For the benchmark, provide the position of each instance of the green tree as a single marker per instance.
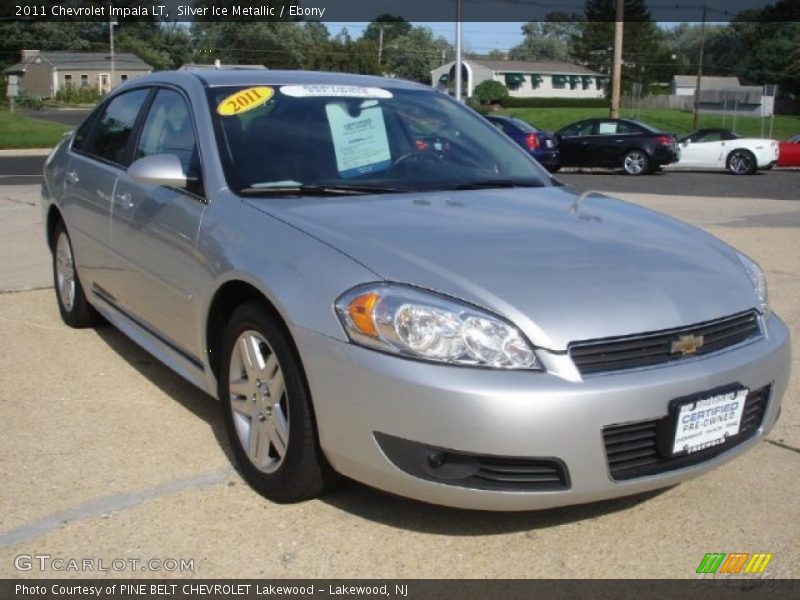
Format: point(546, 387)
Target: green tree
point(413, 56)
point(645, 53)
point(343, 54)
point(393, 27)
point(496, 54)
point(547, 40)
point(277, 45)
point(490, 91)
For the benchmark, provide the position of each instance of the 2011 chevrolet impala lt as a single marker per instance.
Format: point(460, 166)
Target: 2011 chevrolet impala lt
point(376, 282)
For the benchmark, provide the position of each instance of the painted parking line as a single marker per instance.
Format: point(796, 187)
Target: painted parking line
point(100, 506)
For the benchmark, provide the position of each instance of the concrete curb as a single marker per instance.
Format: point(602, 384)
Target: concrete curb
point(25, 152)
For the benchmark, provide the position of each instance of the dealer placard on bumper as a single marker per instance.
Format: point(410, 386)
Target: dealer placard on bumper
point(708, 422)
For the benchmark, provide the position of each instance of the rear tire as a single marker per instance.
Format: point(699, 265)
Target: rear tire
point(636, 162)
point(267, 410)
point(742, 162)
point(73, 306)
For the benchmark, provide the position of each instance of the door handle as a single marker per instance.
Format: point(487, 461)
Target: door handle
point(125, 200)
point(71, 178)
point(619, 140)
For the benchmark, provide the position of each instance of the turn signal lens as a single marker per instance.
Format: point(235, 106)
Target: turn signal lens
point(360, 311)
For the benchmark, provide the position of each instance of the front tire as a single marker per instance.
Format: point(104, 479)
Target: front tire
point(742, 162)
point(636, 162)
point(267, 410)
point(73, 306)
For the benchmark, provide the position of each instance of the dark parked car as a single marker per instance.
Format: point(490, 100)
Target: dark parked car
point(635, 147)
point(541, 145)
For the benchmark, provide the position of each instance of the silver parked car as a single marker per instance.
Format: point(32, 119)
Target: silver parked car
point(376, 282)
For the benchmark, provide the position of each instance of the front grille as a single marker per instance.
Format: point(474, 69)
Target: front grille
point(616, 354)
point(642, 448)
point(476, 471)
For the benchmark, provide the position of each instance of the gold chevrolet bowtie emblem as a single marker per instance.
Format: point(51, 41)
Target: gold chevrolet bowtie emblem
point(687, 344)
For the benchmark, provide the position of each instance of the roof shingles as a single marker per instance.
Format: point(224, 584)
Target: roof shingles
point(84, 61)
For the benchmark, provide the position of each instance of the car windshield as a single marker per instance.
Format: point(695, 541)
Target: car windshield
point(318, 139)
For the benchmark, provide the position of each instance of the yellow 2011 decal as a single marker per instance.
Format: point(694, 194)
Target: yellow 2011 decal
point(244, 100)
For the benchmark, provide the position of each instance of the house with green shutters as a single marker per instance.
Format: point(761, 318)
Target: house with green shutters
point(544, 79)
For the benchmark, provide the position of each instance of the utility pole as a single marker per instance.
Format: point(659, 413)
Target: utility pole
point(380, 44)
point(700, 71)
point(458, 50)
point(616, 70)
point(111, 43)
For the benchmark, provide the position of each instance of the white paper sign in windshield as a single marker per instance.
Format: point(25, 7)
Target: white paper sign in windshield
point(334, 91)
point(359, 142)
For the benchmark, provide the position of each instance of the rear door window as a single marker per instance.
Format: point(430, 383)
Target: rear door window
point(579, 129)
point(111, 137)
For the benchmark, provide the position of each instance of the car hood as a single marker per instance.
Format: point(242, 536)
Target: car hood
point(560, 270)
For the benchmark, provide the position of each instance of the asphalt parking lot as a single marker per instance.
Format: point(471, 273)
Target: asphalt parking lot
point(107, 454)
point(778, 184)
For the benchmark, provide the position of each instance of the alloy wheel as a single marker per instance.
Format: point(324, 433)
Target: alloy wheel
point(741, 163)
point(635, 163)
point(259, 401)
point(65, 272)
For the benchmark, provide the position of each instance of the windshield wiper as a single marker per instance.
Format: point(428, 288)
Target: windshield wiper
point(492, 183)
point(311, 189)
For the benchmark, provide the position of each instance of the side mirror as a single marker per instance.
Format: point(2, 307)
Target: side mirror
point(159, 169)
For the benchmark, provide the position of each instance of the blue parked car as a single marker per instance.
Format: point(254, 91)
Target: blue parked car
point(541, 145)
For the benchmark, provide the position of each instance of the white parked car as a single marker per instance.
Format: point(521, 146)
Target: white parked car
point(724, 149)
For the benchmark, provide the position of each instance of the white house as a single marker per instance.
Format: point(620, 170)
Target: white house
point(545, 79)
point(684, 85)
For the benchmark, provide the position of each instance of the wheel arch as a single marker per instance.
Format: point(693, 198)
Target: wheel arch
point(228, 297)
point(638, 149)
point(54, 217)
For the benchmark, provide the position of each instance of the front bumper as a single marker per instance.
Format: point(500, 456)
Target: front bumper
point(360, 393)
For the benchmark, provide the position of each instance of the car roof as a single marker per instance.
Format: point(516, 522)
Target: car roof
point(212, 77)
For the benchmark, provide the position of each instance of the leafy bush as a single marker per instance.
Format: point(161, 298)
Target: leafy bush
point(22, 100)
point(555, 102)
point(70, 94)
point(475, 105)
point(490, 91)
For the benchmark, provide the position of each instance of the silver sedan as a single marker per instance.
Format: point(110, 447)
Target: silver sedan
point(375, 282)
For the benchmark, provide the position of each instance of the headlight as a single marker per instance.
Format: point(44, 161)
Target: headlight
point(759, 282)
point(419, 324)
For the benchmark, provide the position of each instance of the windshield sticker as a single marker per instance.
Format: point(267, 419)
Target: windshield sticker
point(334, 91)
point(244, 100)
point(359, 138)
